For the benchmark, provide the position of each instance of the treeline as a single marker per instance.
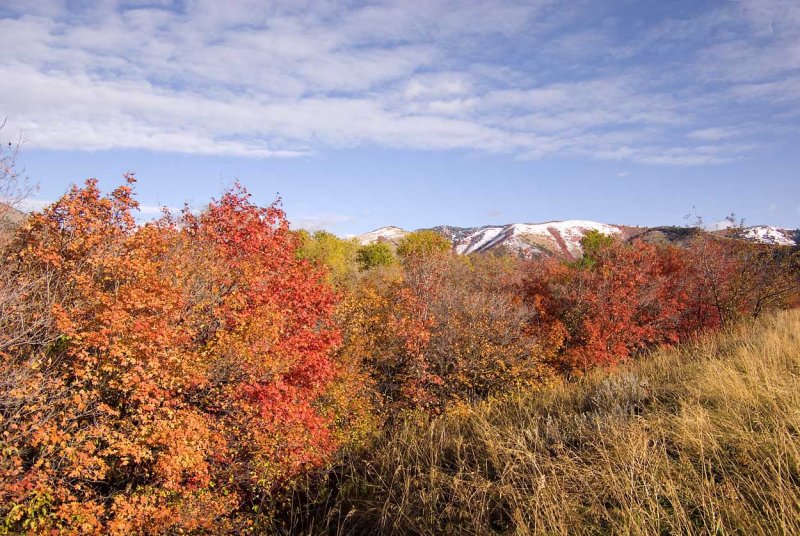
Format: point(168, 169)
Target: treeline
point(186, 374)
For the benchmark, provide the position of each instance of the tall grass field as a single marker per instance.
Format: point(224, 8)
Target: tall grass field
point(699, 439)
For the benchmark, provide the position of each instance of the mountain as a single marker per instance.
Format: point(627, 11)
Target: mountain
point(767, 234)
point(384, 234)
point(563, 238)
point(680, 236)
point(560, 238)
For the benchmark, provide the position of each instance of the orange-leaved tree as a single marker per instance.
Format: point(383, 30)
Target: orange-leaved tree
point(178, 373)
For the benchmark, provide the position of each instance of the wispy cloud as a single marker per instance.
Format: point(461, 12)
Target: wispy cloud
point(285, 79)
point(715, 133)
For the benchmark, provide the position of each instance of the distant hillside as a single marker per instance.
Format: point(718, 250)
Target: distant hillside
point(384, 234)
point(563, 238)
point(10, 217)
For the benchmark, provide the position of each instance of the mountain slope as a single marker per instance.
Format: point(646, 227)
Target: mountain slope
point(384, 234)
point(10, 217)
point(563, 238)
point(768, 234)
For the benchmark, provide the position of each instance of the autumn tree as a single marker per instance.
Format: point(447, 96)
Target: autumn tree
point(180, 373)
point(374, 255)
point(385, 331)
point(774, 278)
point(337, 255)
point(627, 298)
point(733, 278)
point(592, 245)
point(443, 329)
point(422, 243)
point(480, 339)
point(622, 298)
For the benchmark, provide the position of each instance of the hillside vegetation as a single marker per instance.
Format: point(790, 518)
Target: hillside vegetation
point(700, 439)
point(220, 373)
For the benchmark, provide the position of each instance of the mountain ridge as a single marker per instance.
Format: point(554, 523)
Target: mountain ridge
point(563, 237)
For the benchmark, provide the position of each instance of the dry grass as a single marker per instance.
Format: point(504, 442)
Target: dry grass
point(703, 439)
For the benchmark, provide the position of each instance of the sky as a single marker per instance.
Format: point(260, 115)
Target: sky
point(415, 113)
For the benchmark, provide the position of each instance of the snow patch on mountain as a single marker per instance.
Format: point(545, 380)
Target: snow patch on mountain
point(768, 234)
point(561, 237)
point(566, 234)
point(384, 234)
point(478, 240)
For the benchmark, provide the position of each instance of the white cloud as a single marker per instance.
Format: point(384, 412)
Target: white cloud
point(714, 133)
point(286, 79)
point(438, 85)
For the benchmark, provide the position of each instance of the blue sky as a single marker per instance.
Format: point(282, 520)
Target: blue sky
point(414, 113)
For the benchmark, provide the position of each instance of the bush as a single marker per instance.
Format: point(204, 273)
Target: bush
point(443, 329)
point(160, 378)
point(422, 243)
point(624, 298)
point(374, 255)
point(592, 244)
point(337, 255)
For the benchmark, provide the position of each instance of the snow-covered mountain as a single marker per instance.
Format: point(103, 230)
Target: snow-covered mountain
point(384, 234)
point(768, 234)
point(563, 238)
